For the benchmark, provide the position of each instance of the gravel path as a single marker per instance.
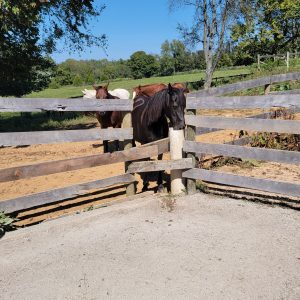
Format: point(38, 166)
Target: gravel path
point(199, 247)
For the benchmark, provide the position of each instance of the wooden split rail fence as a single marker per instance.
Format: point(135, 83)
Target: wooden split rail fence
point(214, 99)
point(62, 136)
point(210, 99)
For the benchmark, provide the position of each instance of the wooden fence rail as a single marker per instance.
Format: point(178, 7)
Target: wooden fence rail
point(56, 195)
point(63, 136)
point(278, 187)
point(72, 164)
point(280, 126)
point(52, 104)
point(160, 165)
point(244, 85)
point(244, 102)
point(288, 157)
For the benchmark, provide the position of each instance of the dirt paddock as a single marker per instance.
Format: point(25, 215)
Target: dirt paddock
point(192, 247)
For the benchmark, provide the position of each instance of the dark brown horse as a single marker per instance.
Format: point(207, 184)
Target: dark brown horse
point(150, 89)
point(108, 118)
point(149, 118)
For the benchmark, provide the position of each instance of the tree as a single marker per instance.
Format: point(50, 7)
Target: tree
point(167, 65)
point(142, 65)
point(61, 77)
point(180, 55)
point(274, 28)
point(77, 81)
point(29, 31)
point(210, 27)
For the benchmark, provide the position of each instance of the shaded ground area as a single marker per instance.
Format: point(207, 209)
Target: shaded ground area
point(193, 247)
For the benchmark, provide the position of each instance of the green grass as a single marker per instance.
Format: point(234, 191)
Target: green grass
point(14, 122)
point(75, 91)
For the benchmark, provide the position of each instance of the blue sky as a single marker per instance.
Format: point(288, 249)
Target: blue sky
point(132, 25)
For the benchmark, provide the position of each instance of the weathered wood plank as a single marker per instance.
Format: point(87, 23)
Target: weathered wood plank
point(243, 85)
point(160, 165)
point(280, 126)
point(65, 165)
point(204, 130)
point(243, 102)
point(55, 195)
point(58, 104)
point(277, 187)
point(267, 115)
point(163, 145)
point(63, 136)
point(288, 157)
point(290, 92)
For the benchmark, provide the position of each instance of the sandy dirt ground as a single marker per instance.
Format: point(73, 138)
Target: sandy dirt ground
point(192, 247)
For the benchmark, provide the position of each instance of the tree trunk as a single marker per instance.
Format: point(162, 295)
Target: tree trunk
point(208, 81)
point(209, 71)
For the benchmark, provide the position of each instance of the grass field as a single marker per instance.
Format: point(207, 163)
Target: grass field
point(74, 91)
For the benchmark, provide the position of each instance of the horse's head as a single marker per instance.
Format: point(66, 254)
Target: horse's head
point(181, 86)
point(101, 91)
point(176, 107)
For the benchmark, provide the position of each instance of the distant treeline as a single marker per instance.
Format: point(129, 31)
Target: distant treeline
point(174, 58)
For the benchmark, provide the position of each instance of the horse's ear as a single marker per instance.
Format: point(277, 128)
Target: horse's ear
point(170, 89)
point(106, 87)
point(95, 87)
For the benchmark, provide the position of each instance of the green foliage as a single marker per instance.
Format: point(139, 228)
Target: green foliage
point(142, 65)
point(225, 60)
point(166, 66)
point(29, 30)
point(6, 223)
point(90, 79)
point(77, 81)
point(61, 77)
point(274, 27)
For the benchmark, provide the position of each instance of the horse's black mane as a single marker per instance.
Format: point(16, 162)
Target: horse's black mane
point(155, 106)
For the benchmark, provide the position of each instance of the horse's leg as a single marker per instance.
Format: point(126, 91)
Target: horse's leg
point(117, 145)
point(105, 146)
point(160, 186)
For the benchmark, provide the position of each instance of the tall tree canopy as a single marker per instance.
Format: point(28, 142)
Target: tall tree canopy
point(210, 27)
point(30, 30)
point(273, 28)
point(142, 65)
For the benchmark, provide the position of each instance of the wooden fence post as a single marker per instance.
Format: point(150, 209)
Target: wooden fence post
point(287, 60)
point(176, 146)
point(258, 62)
point(131, 188)
point(190, 135)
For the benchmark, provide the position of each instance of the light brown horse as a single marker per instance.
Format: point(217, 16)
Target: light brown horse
point(108, 118)
point(150, 89)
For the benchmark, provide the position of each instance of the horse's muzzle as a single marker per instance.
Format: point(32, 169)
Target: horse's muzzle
point(179, 126)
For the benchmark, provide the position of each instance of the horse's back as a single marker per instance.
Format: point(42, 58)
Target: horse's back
point(142, 131)
point(120, 93)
